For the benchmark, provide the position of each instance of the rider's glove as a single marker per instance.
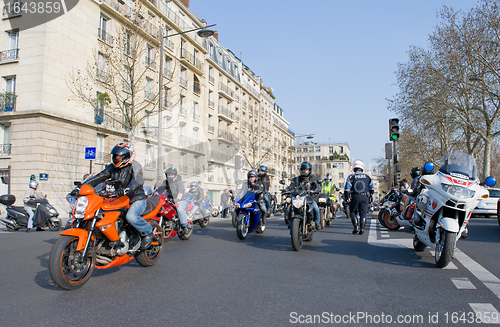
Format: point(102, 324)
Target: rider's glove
point(75, 192)
point(122, 191)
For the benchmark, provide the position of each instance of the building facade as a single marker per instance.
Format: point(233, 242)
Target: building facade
point(90, 78)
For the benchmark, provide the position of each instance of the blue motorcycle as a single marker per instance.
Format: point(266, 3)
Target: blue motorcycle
point(249, 216)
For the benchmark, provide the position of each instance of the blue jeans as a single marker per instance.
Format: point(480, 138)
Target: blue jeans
point(268, 202)
point(315, 208)
point(134, 217)
point(181, 211)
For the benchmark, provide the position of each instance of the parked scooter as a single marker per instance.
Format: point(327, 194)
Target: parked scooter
point(44, 215)
point(444, 206)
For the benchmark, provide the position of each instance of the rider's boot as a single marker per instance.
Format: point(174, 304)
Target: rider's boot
point(362, 222)
point(355, 224)
point(146, 240)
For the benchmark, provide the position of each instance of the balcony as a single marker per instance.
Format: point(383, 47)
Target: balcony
point(227, 136)
point(150, 63)
point(225, 113)
point(167, 73)
point(192, 60)
point(8, 102)
point(104, 36)
point(107, 120)
point(183, 82)
point(211, 128)
point(12, 9)
point(226, 91)
point(5, 149)
point(210, 104)
point(9, 55)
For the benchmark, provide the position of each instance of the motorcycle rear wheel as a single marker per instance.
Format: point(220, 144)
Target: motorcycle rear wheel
point(241, 228)
point(380, 217)
point(234, 219)
point(215, 212)
point(204, 222)
point(444, 248)
point(186, 236)
point(296, 233)
point(151, 255)
point(322, 214)
point(64, 267)
point(54, 225)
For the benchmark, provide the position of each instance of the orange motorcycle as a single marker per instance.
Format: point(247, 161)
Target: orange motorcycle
point(101, 237)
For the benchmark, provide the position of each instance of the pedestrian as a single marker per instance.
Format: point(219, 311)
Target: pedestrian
point(275, 202)
point(224, 202)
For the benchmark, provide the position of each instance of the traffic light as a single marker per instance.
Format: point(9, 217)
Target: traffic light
point(394, 129)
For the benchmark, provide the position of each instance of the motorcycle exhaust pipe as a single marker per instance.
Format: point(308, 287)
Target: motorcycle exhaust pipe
point(8, 221)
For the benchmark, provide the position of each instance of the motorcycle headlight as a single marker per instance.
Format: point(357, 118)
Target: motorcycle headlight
point(298, 203)
point(288, 200)
point(247, 205)
point(81, 206)
point(236, 205)
point(321, 200)
point(458, 191)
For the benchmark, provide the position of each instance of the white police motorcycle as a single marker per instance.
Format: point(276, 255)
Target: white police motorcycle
point(444, 206)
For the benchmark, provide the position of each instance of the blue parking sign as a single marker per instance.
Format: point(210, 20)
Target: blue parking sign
point(90, 153)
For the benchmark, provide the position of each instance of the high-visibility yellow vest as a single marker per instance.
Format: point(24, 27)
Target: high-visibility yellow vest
point(328, 188)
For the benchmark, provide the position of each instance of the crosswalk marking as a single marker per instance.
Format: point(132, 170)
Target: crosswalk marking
point(487, 278)
point(463, 283)
point(486, 311)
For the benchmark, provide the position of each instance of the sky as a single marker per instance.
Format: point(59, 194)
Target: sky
point(332, 63)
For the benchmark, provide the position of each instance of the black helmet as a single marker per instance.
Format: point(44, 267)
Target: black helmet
point(193, 185)
point(171, 171)
point(415, 171)
point(251, 173)
point(123, 149)
point(305, 165)
point(262, 171)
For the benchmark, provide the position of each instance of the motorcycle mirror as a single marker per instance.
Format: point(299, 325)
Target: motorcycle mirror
point(490, 181)
point(282, 182)
point(148, 190)
point(429, 167)
point(384, 191)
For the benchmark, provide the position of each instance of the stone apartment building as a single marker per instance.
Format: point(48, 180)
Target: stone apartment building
point(209, 98)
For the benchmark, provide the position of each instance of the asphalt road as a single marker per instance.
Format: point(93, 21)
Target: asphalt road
point(215, 279)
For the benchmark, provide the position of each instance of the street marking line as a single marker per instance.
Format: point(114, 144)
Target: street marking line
point(463, 283)
point(487, 311)
point(386, 243)
point(487, 278)
point(383, 235)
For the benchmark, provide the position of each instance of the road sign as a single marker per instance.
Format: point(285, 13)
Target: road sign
point(43, 177)
point(90, 153)
point(237, 175)
point(32, 177)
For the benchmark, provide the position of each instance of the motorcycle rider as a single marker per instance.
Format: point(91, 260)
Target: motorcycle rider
point(129, 172)
point(29, 205)
point(415, 175)
point(252, 184)
point(197, 195)
point(303, 179)
point(175, 187)
point(360, 187)
point(266, 182)
point(329, 188)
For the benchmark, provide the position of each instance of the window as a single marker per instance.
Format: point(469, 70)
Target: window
point(341, 165)
point(328, 165)
point(210, 99)
point(103, 31)
point(11, 45)
point(318, 149)
point(166, 101)
point(182, 105)
point(150, 57)
point(150, 160)
point(330, 149)
point(299, 149)
point(100, 153)
point(183, 77)
point(100, 108)
point(210, 123)
point(341, 149)
point(211, 75)
point(4, 139)
point(150, 94)
point(196, 115)
point(8, 98)
point(341, 185)
point(318, 157)
point(341, 175)
point(167, 70)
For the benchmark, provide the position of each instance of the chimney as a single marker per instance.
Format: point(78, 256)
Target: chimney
point(185, 3)
point(216, 36)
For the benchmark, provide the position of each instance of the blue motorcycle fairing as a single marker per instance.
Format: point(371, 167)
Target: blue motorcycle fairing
point(252, 214)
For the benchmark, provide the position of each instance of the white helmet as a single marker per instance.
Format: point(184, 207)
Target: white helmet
point(358, 164)
point(33, 184)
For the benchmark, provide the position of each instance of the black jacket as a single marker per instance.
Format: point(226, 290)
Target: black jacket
point(265, 182)
point(197, 195)
point(300, 183)
point(174, 187)
point(130, 177)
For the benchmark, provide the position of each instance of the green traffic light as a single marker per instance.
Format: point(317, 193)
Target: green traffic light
point(395, 137)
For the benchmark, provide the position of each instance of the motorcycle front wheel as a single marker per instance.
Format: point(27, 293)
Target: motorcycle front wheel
point(322, 213)
point(215, 212)
point(242, 227)
point(444, 248)
point(390, 221)
point(54, 225)
point(296, 233)
point(151, 255)
point(65, 267)
point(186, 236)
point(234, 219)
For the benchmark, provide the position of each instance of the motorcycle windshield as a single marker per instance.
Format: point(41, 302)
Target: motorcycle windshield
point(242, 196)
point(458, 164)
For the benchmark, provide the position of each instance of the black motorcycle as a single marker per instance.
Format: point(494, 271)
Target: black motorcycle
point(325, 209)
point(44, 215)
point(301, 227)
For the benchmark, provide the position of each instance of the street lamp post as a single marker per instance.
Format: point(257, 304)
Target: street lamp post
point(307, 136)
point(202, 32)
